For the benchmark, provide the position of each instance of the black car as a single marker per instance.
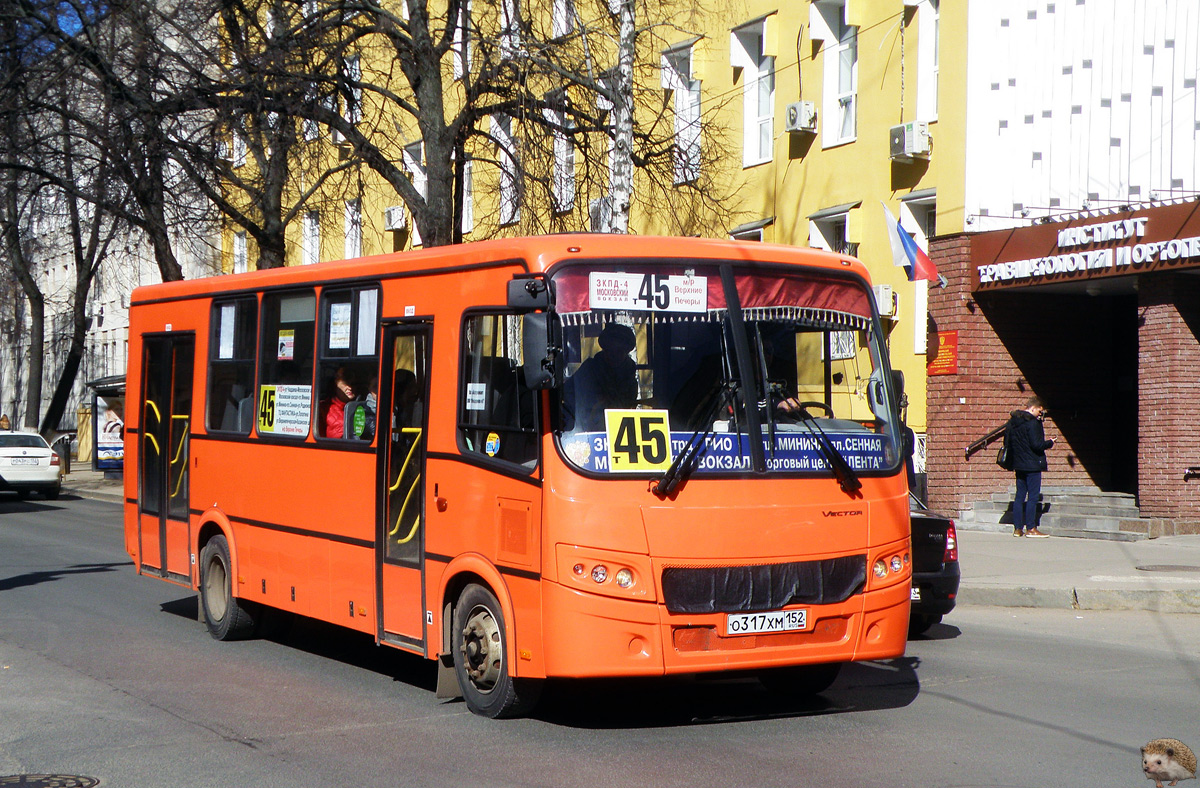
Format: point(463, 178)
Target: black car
point(935, 569)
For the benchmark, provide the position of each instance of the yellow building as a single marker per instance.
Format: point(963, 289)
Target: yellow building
point(793, 123)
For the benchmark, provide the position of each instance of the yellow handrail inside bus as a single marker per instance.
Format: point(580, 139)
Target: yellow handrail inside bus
point(416, 431)
point(179, 452)
point(150, 436)
point(416, 524)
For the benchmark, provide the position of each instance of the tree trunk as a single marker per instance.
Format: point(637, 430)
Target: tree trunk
point(621, 189)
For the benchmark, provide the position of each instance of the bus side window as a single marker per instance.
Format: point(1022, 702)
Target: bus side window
point(284, 403)
point(498, 412)
point(231, 365)
point(348, 363)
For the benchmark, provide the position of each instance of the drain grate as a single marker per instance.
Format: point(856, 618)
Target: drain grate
point(49, 781)
point(1168, 568)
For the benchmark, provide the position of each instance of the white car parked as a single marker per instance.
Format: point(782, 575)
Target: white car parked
point(28, 463)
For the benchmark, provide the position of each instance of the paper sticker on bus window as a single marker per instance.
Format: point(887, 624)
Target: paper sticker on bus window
point(638, 440)
point(476, 396)
point(287, 344)
point(227, 325)
point(368, 319)
point(648, 292)
point(493, 444)
point(339, 326)
point(284, 410)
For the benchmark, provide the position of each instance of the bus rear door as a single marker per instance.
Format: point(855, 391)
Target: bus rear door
point(163, 457)
point(402, 427)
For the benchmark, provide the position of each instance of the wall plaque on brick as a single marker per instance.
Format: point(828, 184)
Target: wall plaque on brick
point(945, 362)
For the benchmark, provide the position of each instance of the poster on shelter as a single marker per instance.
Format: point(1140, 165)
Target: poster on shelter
point(110, 432)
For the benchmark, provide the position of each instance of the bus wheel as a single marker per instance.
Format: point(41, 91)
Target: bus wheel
point(481, 661)
point(800, 680)
point(227, 617)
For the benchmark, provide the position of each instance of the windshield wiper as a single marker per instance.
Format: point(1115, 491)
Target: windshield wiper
point(846, 478)
point(685, 462)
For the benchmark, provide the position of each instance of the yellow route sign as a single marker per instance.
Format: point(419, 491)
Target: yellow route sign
point(638, 440)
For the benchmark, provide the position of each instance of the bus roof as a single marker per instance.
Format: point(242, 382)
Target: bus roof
point(538, 253)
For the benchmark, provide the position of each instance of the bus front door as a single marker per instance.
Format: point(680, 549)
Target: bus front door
point(163, 456)
point(402, 427)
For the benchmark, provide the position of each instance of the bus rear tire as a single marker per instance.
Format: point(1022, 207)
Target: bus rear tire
point(226, 616)
point(480, 650)
point(800, 680)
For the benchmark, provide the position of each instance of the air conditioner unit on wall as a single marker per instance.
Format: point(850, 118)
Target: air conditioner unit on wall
point(800, 116)
point(394, 218)
point(886, 301)
point(911, 141)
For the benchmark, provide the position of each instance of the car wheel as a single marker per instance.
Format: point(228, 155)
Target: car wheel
point(919, 624)
point(52, 493)
point(226, 616)
point(480, 650)
point(800, 680)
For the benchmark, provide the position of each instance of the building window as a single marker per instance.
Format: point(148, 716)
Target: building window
point(677, 78)
point(827, 23)
point(310, 249)
point(563, 18)
point(506, 154)
point(239, 253)
point(928, 30)
point(414, 162)
point(749, 53)
point(353, 246)
point(918, 217)
point(831, 230)
point(461, 45)
point(510, 28)
point(352, 91)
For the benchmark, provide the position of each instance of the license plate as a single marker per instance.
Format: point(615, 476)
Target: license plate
point(915, 596)
point(773, 621)
point(24, 461)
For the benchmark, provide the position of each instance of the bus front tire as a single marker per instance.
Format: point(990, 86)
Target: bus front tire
point(480, 651)
point(226, 616)
point(800, 680)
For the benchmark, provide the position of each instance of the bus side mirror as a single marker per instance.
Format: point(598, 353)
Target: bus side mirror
point(542, 350)
point(527, 292)
point(898, 384)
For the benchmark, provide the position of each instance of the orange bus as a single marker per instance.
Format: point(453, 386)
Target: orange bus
point(564, 456)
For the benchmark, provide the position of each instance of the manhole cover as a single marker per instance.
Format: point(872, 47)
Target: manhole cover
point(1169, 568)
point(49, 781)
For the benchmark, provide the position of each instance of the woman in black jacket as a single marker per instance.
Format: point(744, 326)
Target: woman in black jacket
point(1027, 445)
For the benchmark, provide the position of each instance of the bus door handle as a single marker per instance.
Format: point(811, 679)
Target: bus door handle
point(439, 501)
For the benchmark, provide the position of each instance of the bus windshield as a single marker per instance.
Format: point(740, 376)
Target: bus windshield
point(751, 369)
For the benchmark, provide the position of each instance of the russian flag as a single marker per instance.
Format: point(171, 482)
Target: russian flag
point(906, 253)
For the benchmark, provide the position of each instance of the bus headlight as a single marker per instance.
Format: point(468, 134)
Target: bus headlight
point(606, 572)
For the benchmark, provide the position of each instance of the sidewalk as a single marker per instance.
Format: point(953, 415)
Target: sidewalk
point(1086, 574)
point(86, 483)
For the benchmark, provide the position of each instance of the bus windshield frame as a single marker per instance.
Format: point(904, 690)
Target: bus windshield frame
point(754, 368)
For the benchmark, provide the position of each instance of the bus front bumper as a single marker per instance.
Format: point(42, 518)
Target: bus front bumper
point(597, 636)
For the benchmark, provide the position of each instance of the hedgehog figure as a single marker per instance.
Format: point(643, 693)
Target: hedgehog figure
point(1168, 759)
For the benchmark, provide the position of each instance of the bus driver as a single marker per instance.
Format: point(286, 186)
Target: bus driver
point(606, 380)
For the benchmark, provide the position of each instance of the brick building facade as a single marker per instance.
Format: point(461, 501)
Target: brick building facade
point(1102, 323)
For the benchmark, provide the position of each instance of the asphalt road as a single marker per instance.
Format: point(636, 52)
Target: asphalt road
point(109, 675)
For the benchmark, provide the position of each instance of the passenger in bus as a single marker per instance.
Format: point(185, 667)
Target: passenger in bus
point(606, 380)
point(406, 407)
point(332, 412)
point(370, 405)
